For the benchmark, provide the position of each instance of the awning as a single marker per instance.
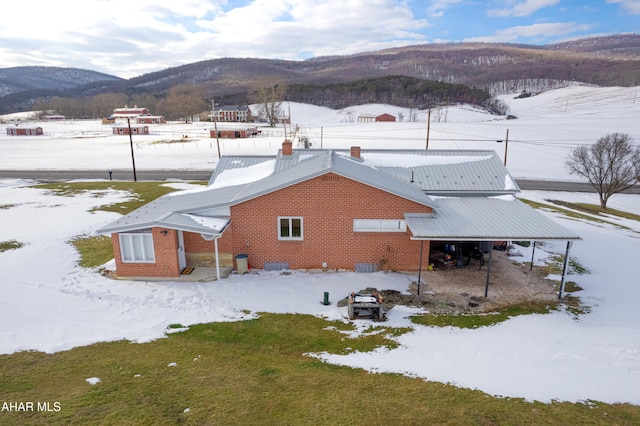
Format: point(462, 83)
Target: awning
point(485, 219)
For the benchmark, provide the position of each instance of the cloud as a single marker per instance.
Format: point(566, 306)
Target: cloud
point(130, 38)
point(630, 6)
point(437, 7)
point(522, 8)
point(531, 32)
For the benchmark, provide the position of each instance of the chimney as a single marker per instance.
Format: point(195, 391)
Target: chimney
point(287, 147)
point(355, 151)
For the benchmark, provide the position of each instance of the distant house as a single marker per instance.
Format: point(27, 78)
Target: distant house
point(231, 113)
point(150, 119)
point(135, 129)
point(19, 130)
point(54, 117)
point(235, 133)
point(370, 118)
point(332, 209)
point(127, 112)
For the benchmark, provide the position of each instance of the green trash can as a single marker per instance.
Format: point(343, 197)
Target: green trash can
point(242, 263)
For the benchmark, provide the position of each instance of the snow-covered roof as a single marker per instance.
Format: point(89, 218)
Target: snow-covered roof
point(435, 172)
point(483, 207)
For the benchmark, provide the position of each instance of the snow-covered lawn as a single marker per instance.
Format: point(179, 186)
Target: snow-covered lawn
point(49, 303)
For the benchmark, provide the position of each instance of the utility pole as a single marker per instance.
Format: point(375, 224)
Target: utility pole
point(133, 160)
point(215, 125)
point(428, 126)
point(506, 147)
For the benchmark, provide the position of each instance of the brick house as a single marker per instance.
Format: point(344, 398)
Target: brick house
point(231, 113)
point(351, 209)
point(24, 130)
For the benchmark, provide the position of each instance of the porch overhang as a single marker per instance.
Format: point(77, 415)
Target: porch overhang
point(485, 219)
point(205, 225)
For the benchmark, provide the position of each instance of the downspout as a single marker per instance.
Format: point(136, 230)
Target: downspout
point(215, 243)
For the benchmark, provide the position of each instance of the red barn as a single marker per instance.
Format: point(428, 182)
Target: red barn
point(150, 119)
point(135, 130)
point(24, 130)
point(127, 112)
point(234, 133)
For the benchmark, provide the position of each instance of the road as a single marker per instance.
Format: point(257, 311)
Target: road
point(195, 175)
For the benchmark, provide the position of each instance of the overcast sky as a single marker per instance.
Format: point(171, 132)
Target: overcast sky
point(128, 38)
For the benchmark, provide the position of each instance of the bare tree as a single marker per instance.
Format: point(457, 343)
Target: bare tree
point(269, 99)
point(611, 165)
point(183, 101)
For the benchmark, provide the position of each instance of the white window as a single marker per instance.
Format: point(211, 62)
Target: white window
point(379, 225)
point(290, 228)
point(137, 247)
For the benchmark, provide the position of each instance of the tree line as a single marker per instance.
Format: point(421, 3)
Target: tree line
point(180, 103)
point(403, 91)
point(185, 101)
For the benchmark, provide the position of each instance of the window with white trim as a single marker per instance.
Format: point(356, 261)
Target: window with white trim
point(137, 247)
point(290, 228)
point(379, 225)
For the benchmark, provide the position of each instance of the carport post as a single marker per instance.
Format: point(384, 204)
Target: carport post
point(486, 287)
point(564, 269)
point(532, 254)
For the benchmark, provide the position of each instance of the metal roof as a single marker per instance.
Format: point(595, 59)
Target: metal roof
point(485, 219)
point(329, 162)
point(161, 212)
point(474, 176)
point(437, 172)
point(445, 172)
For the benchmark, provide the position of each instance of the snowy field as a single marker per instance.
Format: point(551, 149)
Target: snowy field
point(48, 303)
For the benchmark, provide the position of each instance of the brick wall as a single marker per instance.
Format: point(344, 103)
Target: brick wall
point(328, 205)
point(166, 258)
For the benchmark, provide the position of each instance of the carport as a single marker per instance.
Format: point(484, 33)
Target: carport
point(487, 219)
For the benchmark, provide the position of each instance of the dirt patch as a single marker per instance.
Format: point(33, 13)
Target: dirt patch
point(461, 290)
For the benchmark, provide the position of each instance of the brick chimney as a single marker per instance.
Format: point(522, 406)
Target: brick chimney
point(355, 151)
point(287, 147)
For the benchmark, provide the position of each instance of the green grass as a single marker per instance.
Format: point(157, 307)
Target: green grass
point(573, 210)
point(256, 372)
point(97, 250)
point(597, 210)
point(142, 192)
point(484, 320)
point(94, 251)
point(10, 245)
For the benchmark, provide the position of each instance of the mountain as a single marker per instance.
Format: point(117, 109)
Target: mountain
point(19, 86)
point(604, 61)
point(18, 79)
point(495, 67)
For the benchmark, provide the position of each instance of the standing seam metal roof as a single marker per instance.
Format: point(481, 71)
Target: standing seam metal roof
point(486, 219)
